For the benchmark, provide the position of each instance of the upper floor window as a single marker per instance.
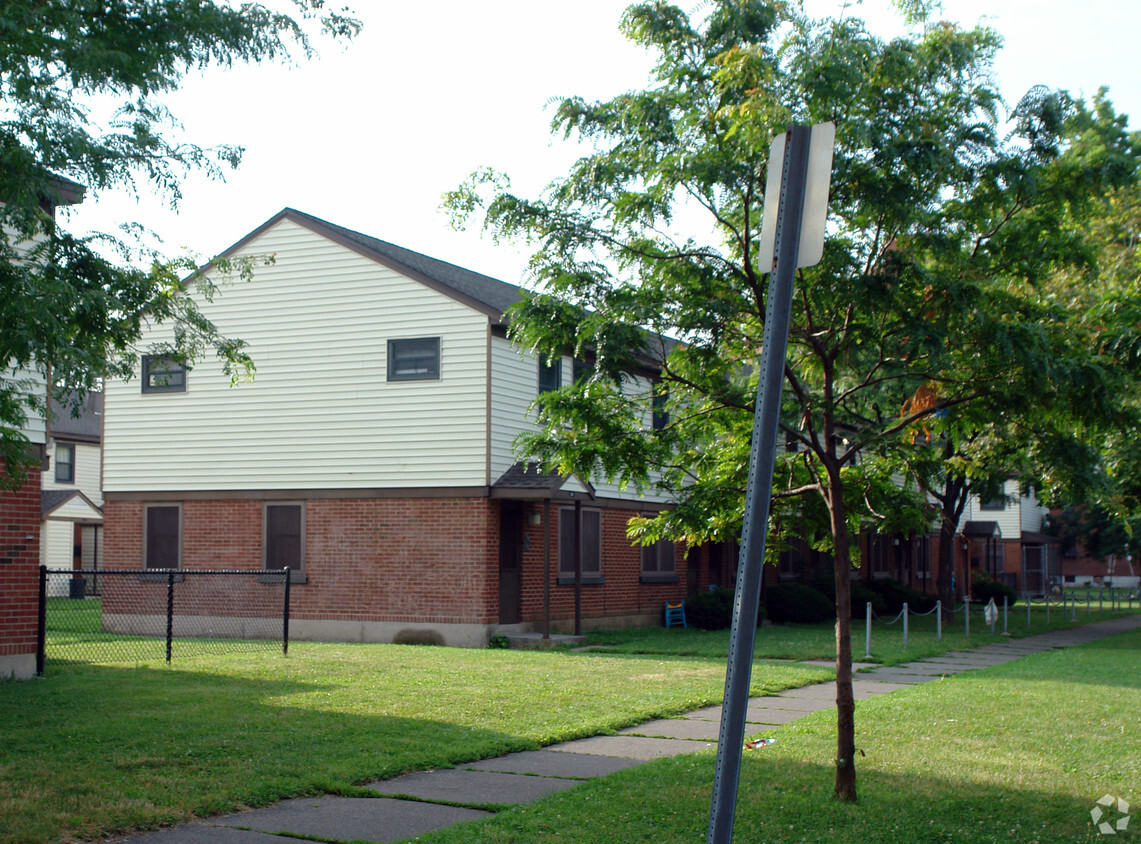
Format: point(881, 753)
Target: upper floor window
point(64, 463)
point(414, 359)
point(163, 375)
point(550, 375)
point(995, 504)
point(661, 415)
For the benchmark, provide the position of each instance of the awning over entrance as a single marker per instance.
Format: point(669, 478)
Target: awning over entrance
point(525, 481)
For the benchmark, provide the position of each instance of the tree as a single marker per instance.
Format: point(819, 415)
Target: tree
point(75, 307)
point(939, 226)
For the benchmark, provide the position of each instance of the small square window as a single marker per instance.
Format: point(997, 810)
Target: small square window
point(163, 375)
point(64, 463)
point(415, 359)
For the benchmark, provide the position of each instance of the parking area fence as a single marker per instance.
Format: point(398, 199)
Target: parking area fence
point(138, 615)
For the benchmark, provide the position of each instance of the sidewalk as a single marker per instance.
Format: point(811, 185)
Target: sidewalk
point(418, 803)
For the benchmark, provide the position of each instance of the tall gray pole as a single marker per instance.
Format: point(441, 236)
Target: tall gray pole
point(759, 494)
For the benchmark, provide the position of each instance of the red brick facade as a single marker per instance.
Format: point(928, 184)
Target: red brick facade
point(19, 576)
point(424, 561)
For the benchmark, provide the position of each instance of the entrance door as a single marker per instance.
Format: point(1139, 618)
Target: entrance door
point(510, 561)
point(1033, 569)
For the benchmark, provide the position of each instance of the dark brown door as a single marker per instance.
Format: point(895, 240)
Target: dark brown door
point(510, 561)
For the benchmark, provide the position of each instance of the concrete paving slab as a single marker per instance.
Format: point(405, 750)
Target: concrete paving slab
point(633, 747)
point(817, 691)
point(927, 668)
point(549, 763)
point(795, 704)
point(378, 819)
point(762, 716)
point(206, 833)
point(676, 728)
point(904, 679)
point(456, 785)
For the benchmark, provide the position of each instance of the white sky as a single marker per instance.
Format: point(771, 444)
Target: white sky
point(370, 136)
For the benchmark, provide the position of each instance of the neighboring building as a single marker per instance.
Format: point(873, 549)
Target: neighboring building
point(1000, 538)
point(20, 515)
point(71, 535)
point(371, 455)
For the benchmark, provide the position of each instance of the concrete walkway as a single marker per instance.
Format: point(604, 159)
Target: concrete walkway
point(418, 803)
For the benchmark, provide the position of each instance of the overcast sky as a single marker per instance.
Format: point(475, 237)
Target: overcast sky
point(370, 136)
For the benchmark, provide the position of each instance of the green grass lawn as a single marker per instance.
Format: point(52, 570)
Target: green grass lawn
point(88, 751)
point(818, 641)
point(1015, 753)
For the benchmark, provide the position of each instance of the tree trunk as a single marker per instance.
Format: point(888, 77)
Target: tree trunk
point(845, 703)
point(946, 566)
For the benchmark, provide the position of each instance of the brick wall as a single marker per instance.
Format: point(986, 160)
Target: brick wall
point(19, 570)
point(403, 560)
point(622, 595)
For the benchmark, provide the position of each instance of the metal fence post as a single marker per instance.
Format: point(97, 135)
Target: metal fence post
point(938, 621)
point(285, 616)
point(1005, 610)
point(868, 631)
point(905, 625)
point(1026, 598)
point(42, 623)
point(169, 613)
point(1047, 610)
point(967, 614)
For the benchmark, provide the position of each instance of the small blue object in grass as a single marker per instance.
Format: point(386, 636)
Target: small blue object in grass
point(757, 743)
point(675, 614)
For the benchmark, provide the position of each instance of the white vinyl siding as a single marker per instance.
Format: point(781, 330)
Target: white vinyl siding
point(320, 412)
point(1009, 519)
point(87, 459)
point(514, 385)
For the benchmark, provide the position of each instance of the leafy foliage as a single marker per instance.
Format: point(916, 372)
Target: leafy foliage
point(796, 603)
point(75, 307)
point(921, 329)
point(712, 610)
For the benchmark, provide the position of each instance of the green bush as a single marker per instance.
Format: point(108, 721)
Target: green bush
point(983, 589)
point(862, 596)
point(795, 603)
point(895, 595)
point(713, 610)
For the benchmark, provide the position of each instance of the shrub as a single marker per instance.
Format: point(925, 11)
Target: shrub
point(712, 610)
point(795, 603)
point(862, 596)
point(983, 589)
point(895, 595)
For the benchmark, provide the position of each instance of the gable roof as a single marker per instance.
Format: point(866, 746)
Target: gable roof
point(527, 480)
point(53, 500)
point(483, 293)
point(86, 427)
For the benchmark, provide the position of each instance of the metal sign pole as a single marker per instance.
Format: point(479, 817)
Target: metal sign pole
point(759, 494)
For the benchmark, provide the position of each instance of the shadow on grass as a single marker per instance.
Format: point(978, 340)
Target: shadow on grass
point(101, 749)
point(784, 800)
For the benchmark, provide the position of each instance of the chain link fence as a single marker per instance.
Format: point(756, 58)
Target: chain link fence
point(124, 616)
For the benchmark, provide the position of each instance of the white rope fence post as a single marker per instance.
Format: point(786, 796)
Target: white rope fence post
point(868, 633)
point(939, 621)
point(967, 614)
point(905, 625)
